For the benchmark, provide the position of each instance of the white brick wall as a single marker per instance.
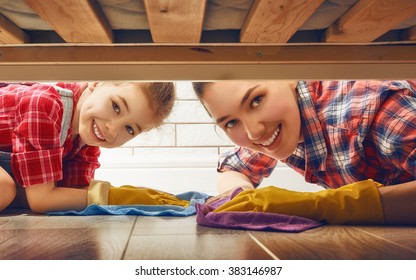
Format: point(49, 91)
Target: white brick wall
point(181, 155)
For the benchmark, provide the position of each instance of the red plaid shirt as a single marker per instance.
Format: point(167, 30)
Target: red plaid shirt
point(30, 126)
point(353, 130)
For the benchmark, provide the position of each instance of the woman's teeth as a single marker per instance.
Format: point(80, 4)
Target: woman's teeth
point(271, 139)
point(97, 132)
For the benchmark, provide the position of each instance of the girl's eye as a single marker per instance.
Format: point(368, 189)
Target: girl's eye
point(116, 108)
point(256, 101)
point(230, 124)
point(130, 130)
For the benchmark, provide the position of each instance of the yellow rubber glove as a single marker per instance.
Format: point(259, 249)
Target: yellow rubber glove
point(102, 193)
point(357, 203)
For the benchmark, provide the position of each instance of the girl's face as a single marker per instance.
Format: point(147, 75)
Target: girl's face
point(262, 116)
point(112, 114)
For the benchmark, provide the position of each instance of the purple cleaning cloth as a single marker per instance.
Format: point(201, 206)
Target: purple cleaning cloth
point(250, 220)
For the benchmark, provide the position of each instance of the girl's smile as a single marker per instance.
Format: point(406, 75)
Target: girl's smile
point(117, 115)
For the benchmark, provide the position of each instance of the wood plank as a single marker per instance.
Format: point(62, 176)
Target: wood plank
point(63, 244)
point(64, 237)
point(76, 21)
point(276, 21)
point(206, 62)
point(184, 72)
point(205, 54)
point(11, 219)
point(410, 34)
point(369, 19)
point(174, 226)
point(175, 21)
point(195, 247)
point(180, 238)
point(404, 236)
point(332, 242)
point(10, 33)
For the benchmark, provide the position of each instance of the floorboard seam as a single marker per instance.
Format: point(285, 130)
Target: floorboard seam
point(129, 238)
point(386, 240)
point(270, 253)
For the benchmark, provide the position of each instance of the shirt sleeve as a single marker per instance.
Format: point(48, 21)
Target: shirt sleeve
point(254, 165)
point(395, 130)
point(79, 170)
point(37, 155)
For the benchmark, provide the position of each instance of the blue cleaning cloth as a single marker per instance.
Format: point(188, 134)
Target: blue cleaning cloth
point(142, 210)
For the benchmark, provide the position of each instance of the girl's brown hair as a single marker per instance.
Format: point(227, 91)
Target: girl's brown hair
point(161, 97)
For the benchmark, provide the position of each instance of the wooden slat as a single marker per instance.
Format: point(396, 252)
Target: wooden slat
point(332, 243)
point(166, 62)
point(410, 34)
point(205, 54)
point(180, 238)
point(76, 21)
point(64, 237)
point(175, 21)
point(10, 33)
point(369, 19)
point(276, 21)
point(403, 236)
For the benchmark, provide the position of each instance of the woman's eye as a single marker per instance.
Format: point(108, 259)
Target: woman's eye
point(256, 101)
point(230, 124)
point(130, 130)
point(116, 108)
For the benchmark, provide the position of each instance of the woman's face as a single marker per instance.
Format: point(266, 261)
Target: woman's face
point(112, 114)
point(262, 116)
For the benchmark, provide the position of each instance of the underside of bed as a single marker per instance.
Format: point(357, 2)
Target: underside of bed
point(207, 39)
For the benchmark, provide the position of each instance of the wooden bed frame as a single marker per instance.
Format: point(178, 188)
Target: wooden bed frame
point(361, 44)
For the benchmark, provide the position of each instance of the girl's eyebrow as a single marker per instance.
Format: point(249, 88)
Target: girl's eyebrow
point(127, 109)
point(243, 101)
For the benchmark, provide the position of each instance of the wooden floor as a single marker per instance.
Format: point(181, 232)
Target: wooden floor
point(29, 236)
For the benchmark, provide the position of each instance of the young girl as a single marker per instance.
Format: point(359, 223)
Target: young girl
point(334, 133)
point(50, 135)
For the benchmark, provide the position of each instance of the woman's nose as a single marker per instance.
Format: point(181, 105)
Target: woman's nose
point(255, 130)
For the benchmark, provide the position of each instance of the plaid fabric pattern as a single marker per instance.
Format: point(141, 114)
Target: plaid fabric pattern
point(30, 124)
point(353, 130)
point(254, 165)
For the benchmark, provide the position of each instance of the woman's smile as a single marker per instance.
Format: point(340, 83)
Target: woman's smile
point(266, 143)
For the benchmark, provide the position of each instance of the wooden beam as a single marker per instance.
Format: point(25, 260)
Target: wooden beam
point(210, 62)
point(410, 34)
point(175, 21)
point(76, 21)
point(10, 33)
point(276, 21)
point(369, 19)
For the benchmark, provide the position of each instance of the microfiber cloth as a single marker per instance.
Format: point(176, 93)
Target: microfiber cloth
point(142, 210)
point(250, 220)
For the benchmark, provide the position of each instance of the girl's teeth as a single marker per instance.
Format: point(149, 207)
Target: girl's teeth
point(97, 132)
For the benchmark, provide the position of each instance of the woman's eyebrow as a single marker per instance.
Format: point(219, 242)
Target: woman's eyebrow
point(243, 101)
point(220, 120)
point(247, 94)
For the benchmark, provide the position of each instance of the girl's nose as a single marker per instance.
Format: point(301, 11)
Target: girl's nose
point(112, 128)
